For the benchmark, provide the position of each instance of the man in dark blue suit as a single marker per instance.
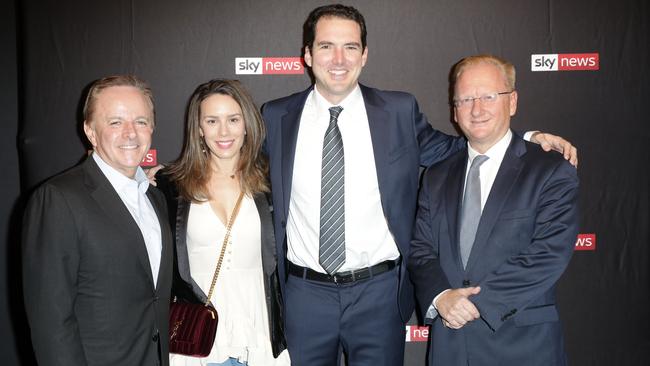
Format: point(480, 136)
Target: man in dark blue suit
point(344, 166)
point(495, 228)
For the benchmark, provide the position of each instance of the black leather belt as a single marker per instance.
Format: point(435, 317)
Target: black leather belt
point(342, 277)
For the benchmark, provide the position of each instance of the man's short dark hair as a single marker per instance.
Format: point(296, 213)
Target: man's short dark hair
point(335, 11)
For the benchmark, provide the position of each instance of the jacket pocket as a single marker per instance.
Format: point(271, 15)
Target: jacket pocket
point(537, 315)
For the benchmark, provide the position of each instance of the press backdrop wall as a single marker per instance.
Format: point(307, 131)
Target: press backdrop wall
point(58, 47)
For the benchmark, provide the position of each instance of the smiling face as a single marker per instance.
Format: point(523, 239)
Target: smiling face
point(336, 57)
point(483, 123)
point(222, 126)
point(120, 127)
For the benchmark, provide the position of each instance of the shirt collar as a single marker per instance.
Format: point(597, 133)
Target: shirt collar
point(347, 103)
point(119, 180)
point(496, 152)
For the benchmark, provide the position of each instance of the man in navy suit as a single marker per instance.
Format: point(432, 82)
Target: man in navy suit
point(495, 229)
point(352, 293)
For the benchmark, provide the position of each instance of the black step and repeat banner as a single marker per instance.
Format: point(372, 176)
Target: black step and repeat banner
point(582, 73)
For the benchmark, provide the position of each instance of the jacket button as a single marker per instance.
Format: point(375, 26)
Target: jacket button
point(508, 315)
point(154, 338)
point(284, 224)
point(465, 283)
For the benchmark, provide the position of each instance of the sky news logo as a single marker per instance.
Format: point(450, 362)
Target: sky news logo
point(565, 62)
point(150, 159)
point(269, 66)
point(586, 242)
point(415, 333)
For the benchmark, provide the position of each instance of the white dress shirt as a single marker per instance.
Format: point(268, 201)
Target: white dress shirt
point(489, 169)
point(488, 173)
point(132, 192)
point(368, 240)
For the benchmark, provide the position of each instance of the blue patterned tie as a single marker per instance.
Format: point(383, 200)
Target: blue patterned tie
point(331, 251)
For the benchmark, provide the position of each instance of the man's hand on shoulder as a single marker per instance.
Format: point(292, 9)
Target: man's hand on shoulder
point(151, 173)
point(557, 143)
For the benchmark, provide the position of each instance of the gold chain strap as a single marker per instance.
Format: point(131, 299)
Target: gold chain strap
point(231, 221)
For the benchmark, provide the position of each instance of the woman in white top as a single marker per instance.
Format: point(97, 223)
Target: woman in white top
point(221, 158)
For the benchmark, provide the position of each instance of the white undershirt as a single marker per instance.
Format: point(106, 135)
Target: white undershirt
point(132, 192)
point(368, 240)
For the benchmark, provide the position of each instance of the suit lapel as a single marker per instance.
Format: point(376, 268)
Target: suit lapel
point(505, 180)
point(380, 135)
point(269, 256)
point(165, 236)
point(110, 202)
point(453, 201)
point(182, 260)
point(290, 126)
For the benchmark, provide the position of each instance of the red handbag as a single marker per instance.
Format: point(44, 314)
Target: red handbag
point(192, 327)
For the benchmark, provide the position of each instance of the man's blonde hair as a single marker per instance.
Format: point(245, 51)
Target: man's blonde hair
point(507, 69)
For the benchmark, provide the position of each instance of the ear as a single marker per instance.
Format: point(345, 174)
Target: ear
point(307, 56)
point(90, 133)
point(513, 103)
point(364, 56)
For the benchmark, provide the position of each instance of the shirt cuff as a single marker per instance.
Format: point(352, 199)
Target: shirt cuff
point(528, 135)
point(432, 312)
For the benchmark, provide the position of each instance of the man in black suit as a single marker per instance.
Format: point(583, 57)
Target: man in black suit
point(97, 248)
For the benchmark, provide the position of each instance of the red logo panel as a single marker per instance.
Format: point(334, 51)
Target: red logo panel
point(282, 65)
point(150, 159)
point(415, 333)
point(586, 242)
point(578, 61)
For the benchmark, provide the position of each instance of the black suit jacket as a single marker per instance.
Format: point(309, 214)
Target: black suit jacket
point(89, 291)
point(524, 241)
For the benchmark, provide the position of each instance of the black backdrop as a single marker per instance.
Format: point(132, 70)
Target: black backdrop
point(53, 49)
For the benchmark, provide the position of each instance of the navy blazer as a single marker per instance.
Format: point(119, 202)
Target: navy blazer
point(524, 242)
point(402, 140)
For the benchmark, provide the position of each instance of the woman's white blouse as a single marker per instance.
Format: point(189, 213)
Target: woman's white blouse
point(243, 331)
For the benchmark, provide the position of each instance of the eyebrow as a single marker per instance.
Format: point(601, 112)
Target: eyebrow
point(122, 118)
point(229, 116)
point(357, 44)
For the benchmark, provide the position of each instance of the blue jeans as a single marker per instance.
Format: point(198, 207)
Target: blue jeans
point(229, 362)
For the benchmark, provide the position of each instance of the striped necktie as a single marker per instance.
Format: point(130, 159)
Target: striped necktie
point(331, 251)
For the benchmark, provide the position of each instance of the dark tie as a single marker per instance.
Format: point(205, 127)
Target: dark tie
point(471, 210)
point(331, 251)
